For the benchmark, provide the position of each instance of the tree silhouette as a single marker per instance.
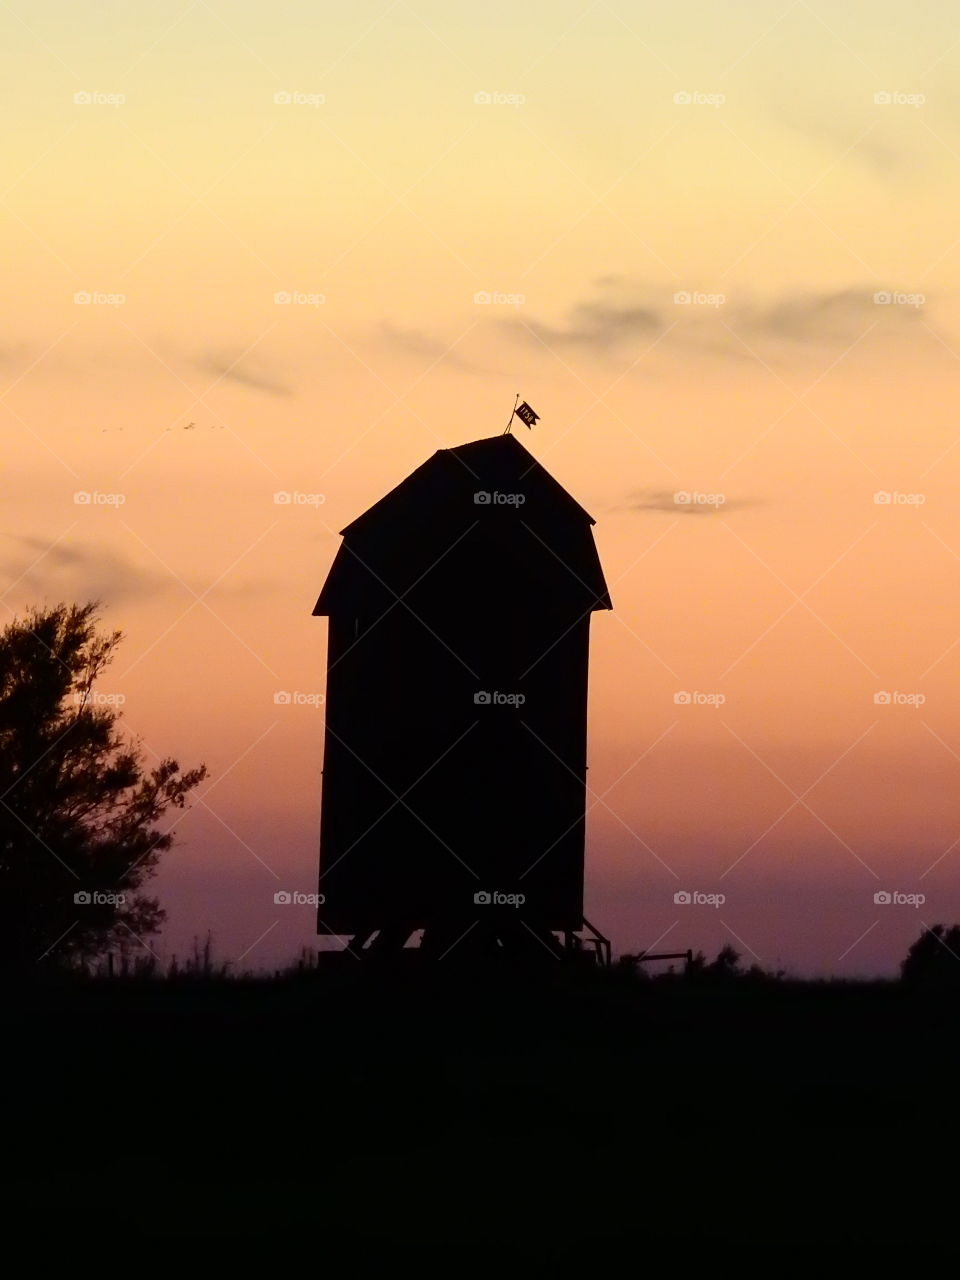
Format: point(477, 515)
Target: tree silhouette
point(934, 959)
point(78, 810)
point(727, 964)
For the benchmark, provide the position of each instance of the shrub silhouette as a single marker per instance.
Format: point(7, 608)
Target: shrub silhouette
point(78, 810)
point(726, 965)
point(934, 959)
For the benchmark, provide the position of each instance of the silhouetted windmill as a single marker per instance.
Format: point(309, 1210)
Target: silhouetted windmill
point(454, 777)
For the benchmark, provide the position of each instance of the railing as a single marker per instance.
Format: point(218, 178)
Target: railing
point(643, 957)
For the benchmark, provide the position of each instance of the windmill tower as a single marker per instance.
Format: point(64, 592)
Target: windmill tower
point(454, 780)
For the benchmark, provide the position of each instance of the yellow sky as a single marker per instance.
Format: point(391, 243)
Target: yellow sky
point(714, 246)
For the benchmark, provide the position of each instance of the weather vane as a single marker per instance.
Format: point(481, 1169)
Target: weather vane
point(524, 413)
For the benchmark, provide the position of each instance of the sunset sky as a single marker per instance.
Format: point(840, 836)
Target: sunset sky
point(296, 247)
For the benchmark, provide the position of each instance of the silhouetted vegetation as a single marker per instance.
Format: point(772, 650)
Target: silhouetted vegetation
point(934, 959)
point(725, 967)
point(78, 807)
point(369, 1098)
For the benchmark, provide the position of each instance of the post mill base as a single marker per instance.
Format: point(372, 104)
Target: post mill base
point(509, 934)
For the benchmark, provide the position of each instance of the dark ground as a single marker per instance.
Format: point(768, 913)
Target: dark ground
point(551, 1114)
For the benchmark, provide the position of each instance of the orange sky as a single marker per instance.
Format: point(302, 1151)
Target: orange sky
point(719, 248)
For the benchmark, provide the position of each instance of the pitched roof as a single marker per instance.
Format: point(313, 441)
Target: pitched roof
point(494, 464)
point(453, 496)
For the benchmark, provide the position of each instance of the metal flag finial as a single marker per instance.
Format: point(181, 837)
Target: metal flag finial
point(524, 412)
point(506, 430)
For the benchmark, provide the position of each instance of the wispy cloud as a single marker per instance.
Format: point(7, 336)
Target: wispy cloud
point(685, 502)
point(245, 371)
point(626, 312)
point(78, 570)
point(604, 324)
point(846, 139)
point(431, 349)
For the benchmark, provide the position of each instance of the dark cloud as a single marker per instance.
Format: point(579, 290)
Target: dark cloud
point(627, 311)
point(625, 316)
point(78, 571)
point(819, 317)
